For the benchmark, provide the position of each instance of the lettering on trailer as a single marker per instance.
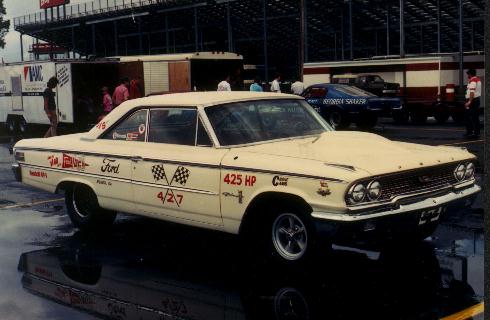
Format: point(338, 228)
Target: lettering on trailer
point(239, 179)
point(63, 76)
point(33, 73)
point(181, 176)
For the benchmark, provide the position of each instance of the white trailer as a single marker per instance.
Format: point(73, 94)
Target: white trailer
point(22, 86)
point(78, 95)
point(426, 82)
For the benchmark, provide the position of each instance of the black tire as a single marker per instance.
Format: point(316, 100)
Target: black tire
point(400, 117)
point(23, 126)
point(458, 117)
point(441, 117)
point(83, 208)
point(11, 125)
point(297, 243)
point(418, 117)
point(367, 121)
point(337, 118)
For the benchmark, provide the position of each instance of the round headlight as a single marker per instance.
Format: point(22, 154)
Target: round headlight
point(460, 172)
point(470, 170)
point(357, 193)
point(374, 190)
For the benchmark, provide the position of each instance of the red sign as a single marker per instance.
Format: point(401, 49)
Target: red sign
point(52, 3)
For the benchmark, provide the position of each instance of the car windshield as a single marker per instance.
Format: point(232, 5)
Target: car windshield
point(263, 120)
point(353, 91)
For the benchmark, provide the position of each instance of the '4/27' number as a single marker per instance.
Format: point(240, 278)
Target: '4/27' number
point(171, 197)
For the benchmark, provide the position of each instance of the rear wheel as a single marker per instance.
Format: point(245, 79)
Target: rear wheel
point(418, 117)
point(83, 208)
point(11, 125)
point(400, 117)
point(441, 117)
point(22, 126)
point(337, 118)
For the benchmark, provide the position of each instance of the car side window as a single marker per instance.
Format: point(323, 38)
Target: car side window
point(203, 139)
point(316, 93)
point(173, 125)
point(133, 128)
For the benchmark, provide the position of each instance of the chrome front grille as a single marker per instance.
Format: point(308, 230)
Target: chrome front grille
point(418, 180)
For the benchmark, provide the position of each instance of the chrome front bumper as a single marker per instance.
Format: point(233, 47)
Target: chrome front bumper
point(450, 198)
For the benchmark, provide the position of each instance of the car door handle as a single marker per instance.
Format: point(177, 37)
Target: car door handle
point(136, 159)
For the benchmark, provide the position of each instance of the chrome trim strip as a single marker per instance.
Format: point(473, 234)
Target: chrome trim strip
point(341, 166)
point(153, 185)
point(201, 165)
point(424, 204)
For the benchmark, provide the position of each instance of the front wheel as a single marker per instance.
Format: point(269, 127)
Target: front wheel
point(367, 121)
point(83, 208)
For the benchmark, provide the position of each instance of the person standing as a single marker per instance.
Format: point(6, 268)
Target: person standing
point(256, 85)
point(224, 85)
point(121, 93)
point(106, 100)
point(50, 107)
point(297, 87)
point(276, 84)
point(472, 105)
point(135, 91)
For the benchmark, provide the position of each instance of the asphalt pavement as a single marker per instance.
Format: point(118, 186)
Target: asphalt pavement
point(147, 269)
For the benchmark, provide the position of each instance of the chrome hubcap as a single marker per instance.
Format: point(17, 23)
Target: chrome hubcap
point(82, 202)
point(289, 236)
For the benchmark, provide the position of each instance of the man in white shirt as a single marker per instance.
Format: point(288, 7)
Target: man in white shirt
point(472, 105)
point(297, 87)
point(224, 85)
point(276, 84)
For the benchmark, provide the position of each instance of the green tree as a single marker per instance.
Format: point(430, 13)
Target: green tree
point(4, 24)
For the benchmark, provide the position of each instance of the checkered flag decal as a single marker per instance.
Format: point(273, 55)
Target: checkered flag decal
point(181, 175)
point(158, 172)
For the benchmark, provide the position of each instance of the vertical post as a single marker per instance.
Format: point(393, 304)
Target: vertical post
point(58, 13)
point(196, 36)
point(388, 31)
point(140, 37)
point(64, 11)
point(116, 38)
point(167, 36)
point(438, 26)
point(229, 28)
point(302, 27)
point(94, 48)
point(264, 27)
point(305, 10)
point(461, 46)
point(472, 35)
point(375, 42)
point(351, 32)
point(342, 32)
point(21, 47)
point(46, 15)
point(402, 28)
point(335, 45)
point(421, 39)
point(73, 43)
point(52, 14)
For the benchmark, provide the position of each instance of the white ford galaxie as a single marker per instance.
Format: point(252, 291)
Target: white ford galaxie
point(259, 164)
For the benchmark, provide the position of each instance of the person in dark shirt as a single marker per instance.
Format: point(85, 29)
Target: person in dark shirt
point(50, 106)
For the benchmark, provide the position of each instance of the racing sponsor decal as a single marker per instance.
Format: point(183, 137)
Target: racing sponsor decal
point(33, 73)
point(239, 179)
point(337, 101)
point(102, 125)
point(323, 190)
point(118, 136)
point(110, 166)
point(38, 174)
point(132, 136)
point(280, 181)
point(68, 162)
point(181, 176)
point(43, 272)
point(142, 128)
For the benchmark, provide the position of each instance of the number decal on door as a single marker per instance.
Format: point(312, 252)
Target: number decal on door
point(171, 197)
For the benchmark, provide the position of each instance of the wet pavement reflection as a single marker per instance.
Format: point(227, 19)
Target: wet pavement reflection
point(142, 269)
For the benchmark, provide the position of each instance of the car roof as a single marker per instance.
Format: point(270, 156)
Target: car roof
point(327, 85)
point(192, 99)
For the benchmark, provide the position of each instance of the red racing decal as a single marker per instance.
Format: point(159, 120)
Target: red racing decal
point(39, 174)
point(73, 162)
point(238, 179)
point(101, 125)
point(171, 197)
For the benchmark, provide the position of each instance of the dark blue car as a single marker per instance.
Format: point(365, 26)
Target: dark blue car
point(341, 104)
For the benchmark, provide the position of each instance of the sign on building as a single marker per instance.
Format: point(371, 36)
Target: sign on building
point(52, 3)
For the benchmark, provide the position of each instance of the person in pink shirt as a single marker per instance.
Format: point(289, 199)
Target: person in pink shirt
point(106, 100)
point(121, 93)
